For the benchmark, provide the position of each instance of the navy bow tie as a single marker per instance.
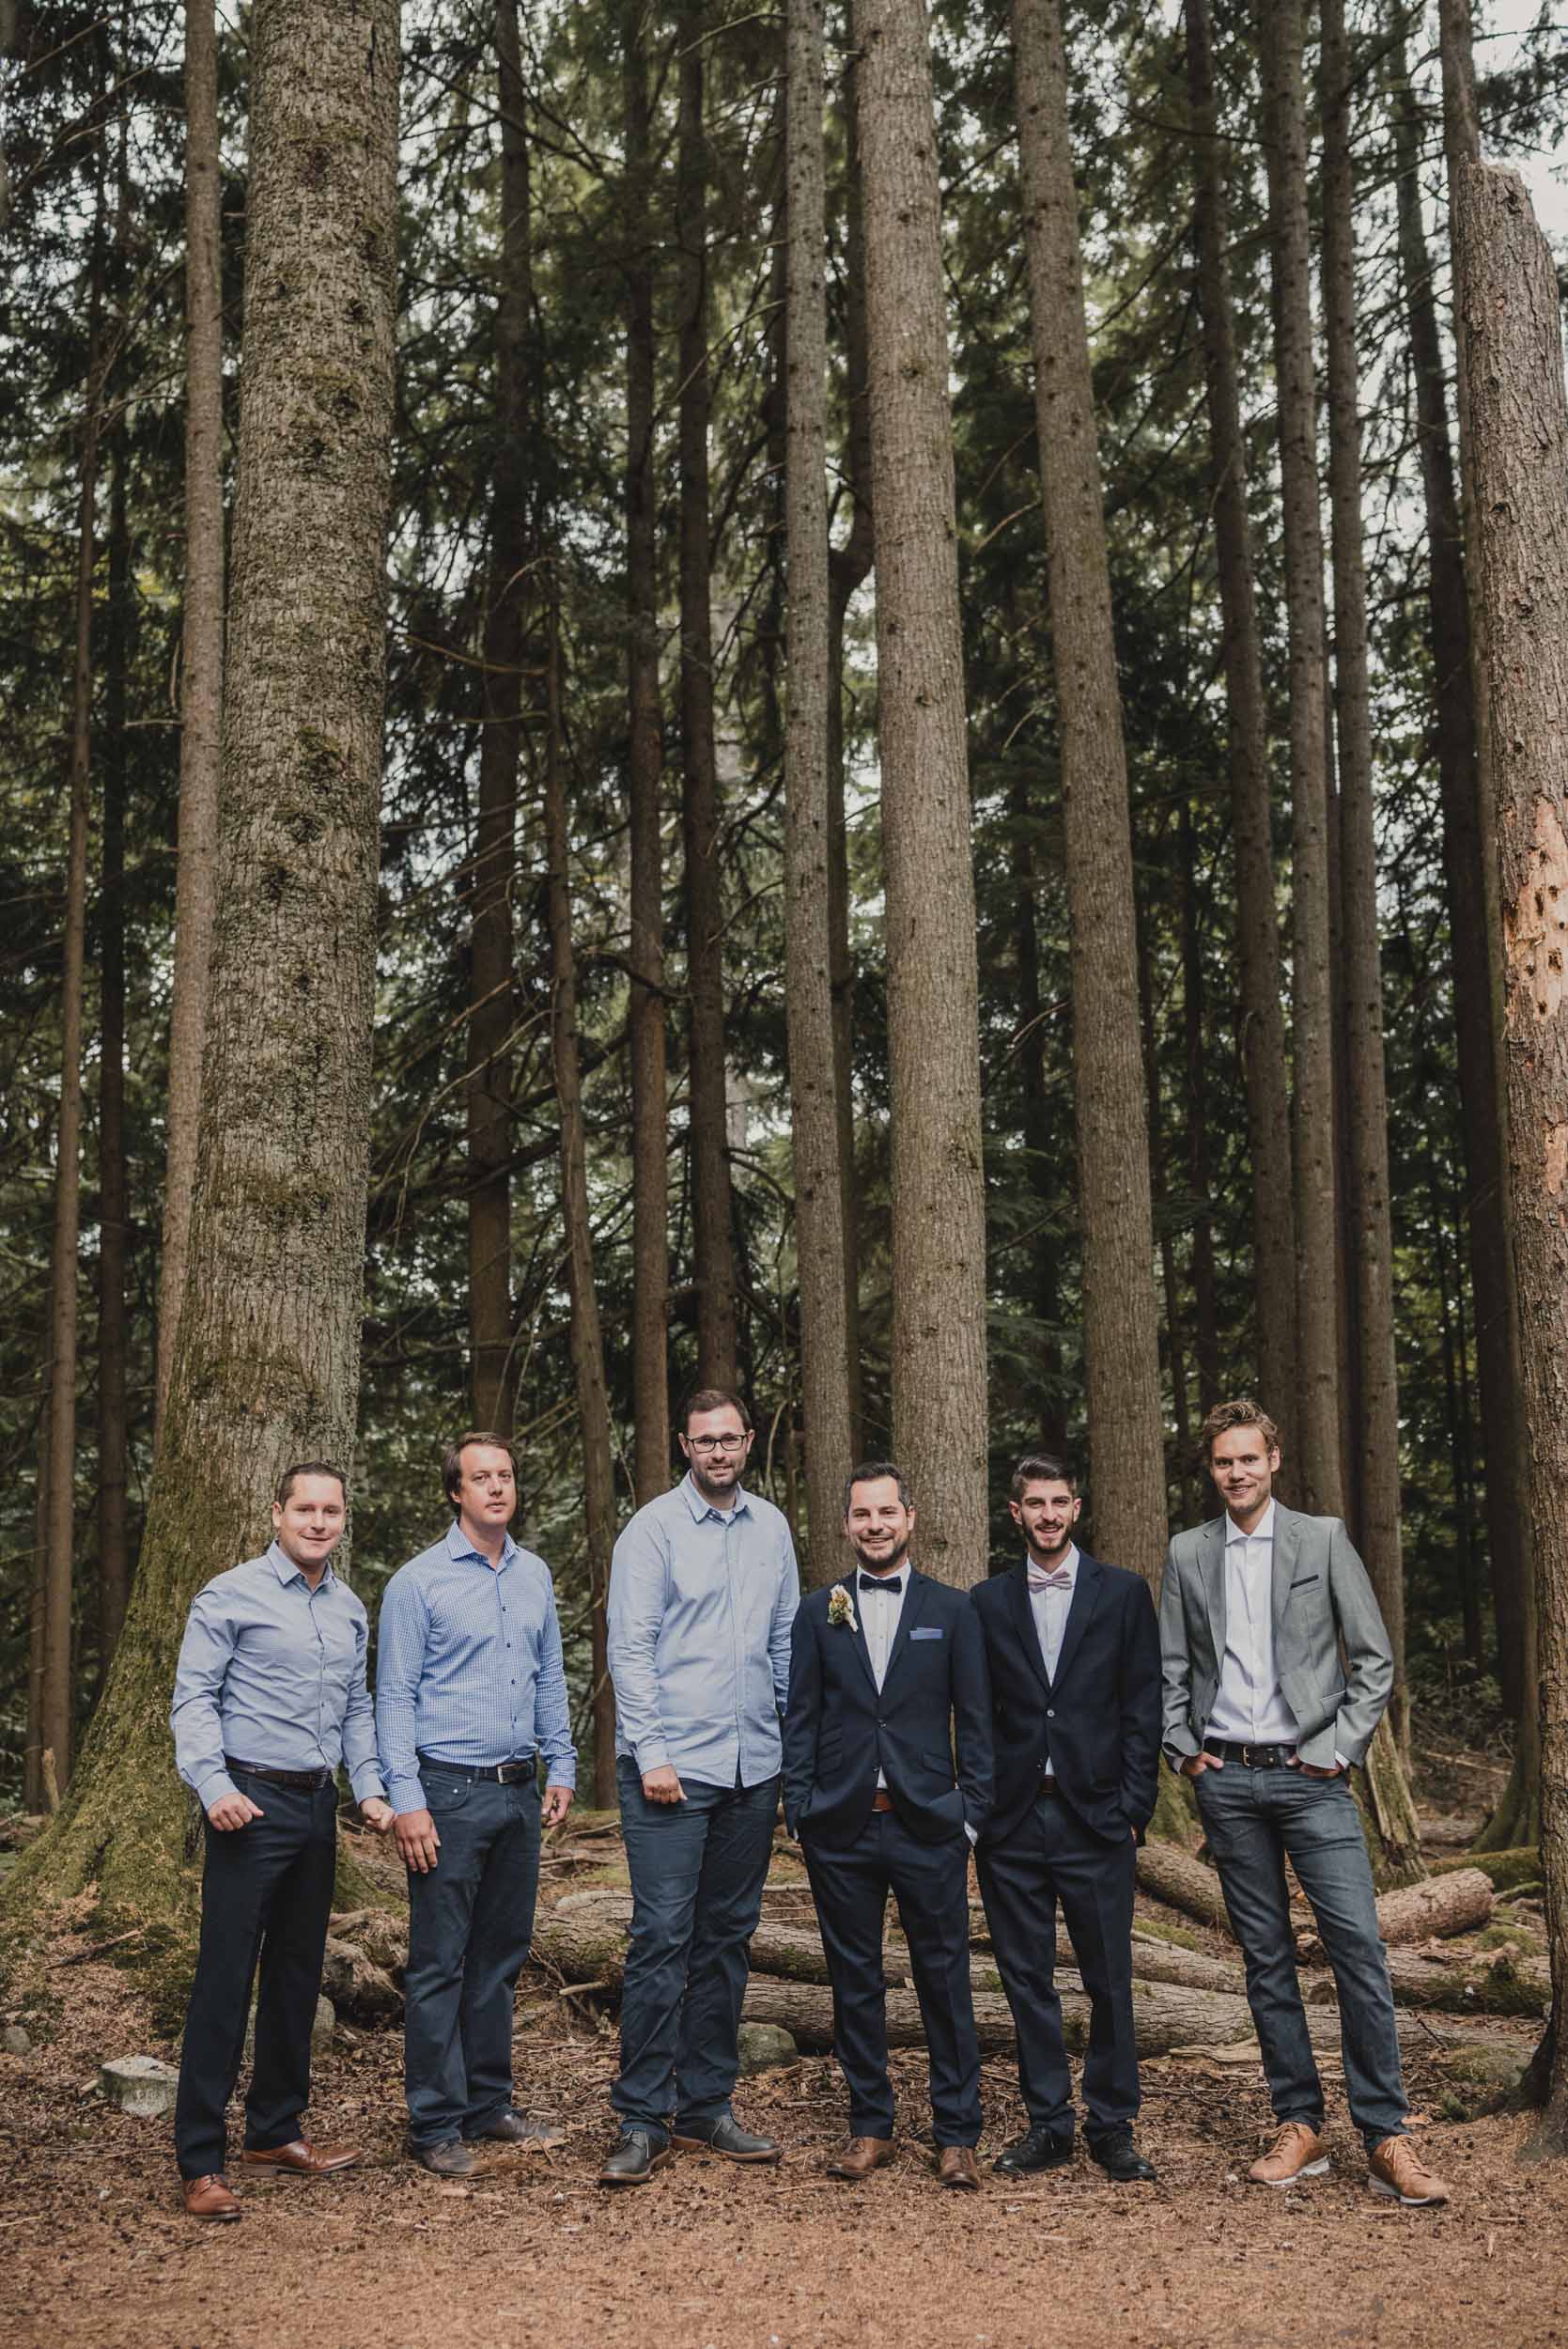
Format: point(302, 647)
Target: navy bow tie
point(871, 1582)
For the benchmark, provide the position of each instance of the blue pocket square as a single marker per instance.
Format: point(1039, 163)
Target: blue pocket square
point(926, 1631)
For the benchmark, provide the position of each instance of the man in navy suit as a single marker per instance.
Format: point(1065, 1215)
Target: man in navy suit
point(884, 1671)
point(1073, 1650)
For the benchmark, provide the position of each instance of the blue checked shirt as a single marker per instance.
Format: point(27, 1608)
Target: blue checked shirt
point(272, 1671)
point(699, 1614)
point(468, 1665)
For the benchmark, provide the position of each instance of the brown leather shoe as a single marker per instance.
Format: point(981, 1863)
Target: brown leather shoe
point(303, 2159)
point(1398, 2169)
point(861, 2157)
point(957, 2165)
point(209, 2198)
point(1298, 2151)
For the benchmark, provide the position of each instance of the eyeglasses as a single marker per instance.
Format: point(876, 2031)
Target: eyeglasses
point(716, 1443)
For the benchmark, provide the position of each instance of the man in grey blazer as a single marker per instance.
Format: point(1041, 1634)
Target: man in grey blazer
point(1263, 1715)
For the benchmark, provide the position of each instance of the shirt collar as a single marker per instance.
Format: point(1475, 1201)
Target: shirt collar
point(287, 1571)
point(1068, 1566)
point(701, 1508)
point(1262, 1532)
point(460, 1549)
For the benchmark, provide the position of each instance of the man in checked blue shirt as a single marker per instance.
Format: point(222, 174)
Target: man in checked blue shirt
point(269, 1697)
point(703, 1590)
point(470, 1696)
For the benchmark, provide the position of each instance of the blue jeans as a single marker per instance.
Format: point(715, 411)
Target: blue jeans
point(470, 1923)
point(1254, 1821)
point(697, 1872)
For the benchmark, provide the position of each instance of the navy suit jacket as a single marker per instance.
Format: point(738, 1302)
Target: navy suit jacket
point(1098, 1719)
point(838, 1731)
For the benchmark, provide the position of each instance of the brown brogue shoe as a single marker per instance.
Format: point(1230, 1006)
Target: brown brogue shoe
point(861, 2157)
point(956, 2165)
point(1298, 2151)
point(209, 2198)
point(302, 2159)
point(1398, 2170)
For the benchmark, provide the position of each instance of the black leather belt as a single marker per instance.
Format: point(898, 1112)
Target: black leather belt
point(1250, 1757)
point(307, 1781)
point(494, 1773)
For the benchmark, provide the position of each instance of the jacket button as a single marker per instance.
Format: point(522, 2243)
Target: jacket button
point(1050, 1712)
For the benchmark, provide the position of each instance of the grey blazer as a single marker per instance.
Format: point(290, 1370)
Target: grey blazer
point(1321, 1594)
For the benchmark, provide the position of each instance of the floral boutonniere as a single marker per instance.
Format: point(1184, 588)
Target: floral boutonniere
point(841, 1607)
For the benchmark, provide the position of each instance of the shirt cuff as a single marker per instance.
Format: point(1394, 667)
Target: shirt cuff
point(1340, 1760)
point(405, 1793)
point(973, 1834)
point(213, 1788)
point(367, 1784)
point(651, 1754)
point(561, 1771)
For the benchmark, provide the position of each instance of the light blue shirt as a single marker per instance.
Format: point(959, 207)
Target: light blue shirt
point(701, 1602)
point(468, 1667)
point(272, 1671)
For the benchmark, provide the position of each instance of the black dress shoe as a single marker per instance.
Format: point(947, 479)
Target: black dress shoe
point(526, 2129)
point(454, 2159)
point(724, 2136)
point(635, 2156)
point(1037, 2149)
point(1120, 2158)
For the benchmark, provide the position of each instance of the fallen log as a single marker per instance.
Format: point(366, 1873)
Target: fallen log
point(1497, 1983)
point(357, 1986)
point(1172, 1875)
point(1505, 1871)
point(1458, 1901)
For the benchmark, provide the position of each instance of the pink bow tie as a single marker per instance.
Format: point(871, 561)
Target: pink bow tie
point(1059, 1580)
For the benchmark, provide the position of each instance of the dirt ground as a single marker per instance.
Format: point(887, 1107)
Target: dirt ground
point(96, 2253)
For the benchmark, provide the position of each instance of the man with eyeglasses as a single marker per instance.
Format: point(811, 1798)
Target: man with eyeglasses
point(703, 1590)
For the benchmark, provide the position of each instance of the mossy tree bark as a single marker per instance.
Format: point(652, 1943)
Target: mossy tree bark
point(939, 1214)
point(266, 1363)
point(1121, 1338)
point(646, 1016)
point(1510, 334)
point(201, 669)
point(808, 949)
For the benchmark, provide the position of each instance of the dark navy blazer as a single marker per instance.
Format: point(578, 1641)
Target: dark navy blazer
point(838, 1731)
point(1098, 1719)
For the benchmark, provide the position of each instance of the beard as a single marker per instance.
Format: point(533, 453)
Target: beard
point(882, 1566)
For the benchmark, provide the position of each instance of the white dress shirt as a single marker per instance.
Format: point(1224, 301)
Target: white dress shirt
point(879, 1620)
point(1050, 1610)
point(1249, 1707)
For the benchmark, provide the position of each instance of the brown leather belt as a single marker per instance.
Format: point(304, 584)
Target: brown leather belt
point(881, 1800)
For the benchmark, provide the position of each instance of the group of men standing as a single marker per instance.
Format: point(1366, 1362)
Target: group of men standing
point(902, 1722)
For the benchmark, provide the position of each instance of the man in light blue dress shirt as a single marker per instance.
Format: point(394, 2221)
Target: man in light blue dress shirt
point(703, 1590)
point(471, 1697)
point(269, 1697)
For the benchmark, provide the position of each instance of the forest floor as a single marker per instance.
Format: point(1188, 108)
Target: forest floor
point(95, 2252)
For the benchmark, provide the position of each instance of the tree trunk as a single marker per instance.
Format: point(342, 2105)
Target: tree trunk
point(1205, 1315)
point(114, 1560)
point(1041, 1135)
point(490, 874)
point(1471, 935)
point(1317, 1445)
point(588, 1343)
point(201, 670)
point(56, 1717)
point(1510, 333)
point(1376, 1431)
point(1121, 1338)
point(266, 1368)
point(808, 943)
point(646, 1018)
point(938, 1213)
point(717, 1344)
point(1174, 1352)
point(1261, 1023)
point(848, 567)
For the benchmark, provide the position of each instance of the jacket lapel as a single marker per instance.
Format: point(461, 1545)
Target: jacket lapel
point(908, 1615)
point(855, 1635)
point(1086, 1591)
point(1212, 1563)
point(1023, 1619)
point(1287, 1541)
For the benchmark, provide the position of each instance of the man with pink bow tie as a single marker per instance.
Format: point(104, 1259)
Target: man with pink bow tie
point(1073, 1650)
